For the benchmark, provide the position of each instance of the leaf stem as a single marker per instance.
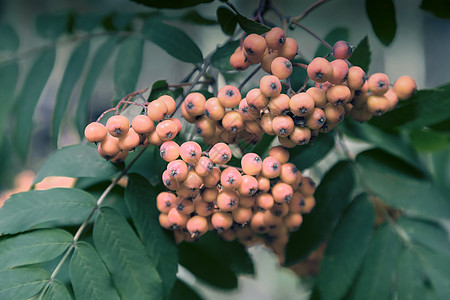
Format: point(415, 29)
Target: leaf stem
point(86, 221)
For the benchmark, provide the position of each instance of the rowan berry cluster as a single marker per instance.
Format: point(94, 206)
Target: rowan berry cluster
point(117, 137)
point(263, 200)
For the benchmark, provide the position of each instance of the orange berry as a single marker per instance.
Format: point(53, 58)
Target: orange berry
point(356, 78)
point(293, 221)
point(142, 124)
point(271, 167)
point(342, 50)
point(307, 187)
point(229, 96)
point(204, 166)
point(164, 221)
point(270, 86)
point(248, 186)
point(392, 98)
point(266, 62)
point(263, 184)
point(266, 123)
point(118, 125)
point(254, 45)
point(279, 105)
point(165, 201)
point(339, 94)
point(340, 71)
point(154, 139)
point(231, 178)
point(239, 61)
point(190, 152)
point(203, 208)
point(186, 115)
point(361, 115)
point(280, 153)
point(302, 104)
point(310, 202)
point(129, 141)
point(257, 223)
point(212, 179)
point(157, 110)
point(194, 104)
point(256, 99)
point(170, 103)
point(275, 38)
point(297, 202)
point(289, 49)
point(289, 173)
point(271, 220)
point(286, 142)
point(281, 67)
point(264, 201)
point(119, 157)
point(283, 125)
point(334, 113)
point(109, 147)
point(193, 181)
point(205, 127)
point(233, 121)
point(320, 70)
point(227, 200)
point(176, 219)
point(242, 215)
point(220, 153)
point(378, 83)
point(177, 170)
point(95, 132)
point(248, 113)
point(282, 192)
point(169, 182)
point(404, 87)
point(246, 201)
point(300, 135)
point(316, 119)
point(213, 109)
point(184, 206)
point(197, 226)
point(251, 164)
point(221, 221)
point(166, 130)
point(280, 209)
point(209, 194)
point(377, 105)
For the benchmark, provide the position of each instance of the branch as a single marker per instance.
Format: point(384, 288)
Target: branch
point(308, 10)
point(313, 34)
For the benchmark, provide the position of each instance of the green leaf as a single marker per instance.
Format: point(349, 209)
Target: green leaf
point(159, 88)
point(151, 157)
point(171, 4)
point(33, 247)
point(337, 34)
point(9, 73)
point(76, 161)
point(71, 76)
point(422, 109)
point(25, 210)
point(88, 275)
point(427, 140)
point(440, 8)
point(221, 57)
point(172, 40)
point(362, 55)
point(22, 283)
point(27, 100)
point(140, 198)
point(199, 262)
point(195, 18)
point(437, 268)
point(307, 155)
point(132, 271)
point(227, 20)
point(381, 14)
point(345, 249)
point(389, 142)
point(426, 233)
point(127, 66)
point(57, 291)
point(298, 75)
point(376, 278)
point(52, 25)
point(181, 291)
point(96, 66)
point(250, 26)
point(411, 279)
point(9, 41)
point(89, 21)
point(393, 181)
point(332, 197)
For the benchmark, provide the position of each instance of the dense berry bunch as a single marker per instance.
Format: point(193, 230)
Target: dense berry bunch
point(261, 201)
point(119, 137)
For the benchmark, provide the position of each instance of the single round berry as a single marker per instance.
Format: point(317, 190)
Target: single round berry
point(281, 67)
point(231, 178)
point(254, 45)
point(227, 200)
point(213, 109)
point(279, 105)
point(204, 166)
point(229, 96)
point(142, 124)
point(251, 164)
point(129, 141)
point(289, 173)
point(169, 182)
point(282, 192)
point(300, 135)
point(209, 194)
point(356, 78)
point(264, 201)
point(342, 50)
point(340, 71)
point(176, 219)
point(378, 84)
point(282, 125)
point(257, 223)
point(302, 104)
point(248, 186)
point(239, 61)
point(220, 153)
point(205, 127)
point(197, 226)
point(193, 181)
point(271, 167)
point(212, 179)
point(194, 104)
point(266, 123)
point(404, 87)
point(203, 208)
point(307, 186)
point(190, 152)
point(233, 121)
point(320, 70)
point(242, 215)
point(310, 202)
point(270, 86)
point(316, 119)
point(256, 99)
point(275, 38)
point(95, 132)
point(280, 153)
point(289, 49)
point(377, 105)
point(166, 130)
point(293, 221)
point(286, 142)
point(392, 98)
point(165, 201)
point(157, 110)
point(186, 115)
point(334, 113)
point(109, 147)
point(221, 221)
point(118, 125)
point(177, 170)
point(339, 94)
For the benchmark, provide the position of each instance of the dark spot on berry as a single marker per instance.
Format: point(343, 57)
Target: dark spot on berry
point(318, 75)
point(162, 152)
point(189, 105)
point(225, 157)
point(303, 110)
point(229, 93)
point(192, 153)
point(381, 84)
point(273, 86)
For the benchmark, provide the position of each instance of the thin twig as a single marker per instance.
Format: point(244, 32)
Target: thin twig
point(86, 221)
point(313, 34)
point(249, 77)
point(309, 10)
